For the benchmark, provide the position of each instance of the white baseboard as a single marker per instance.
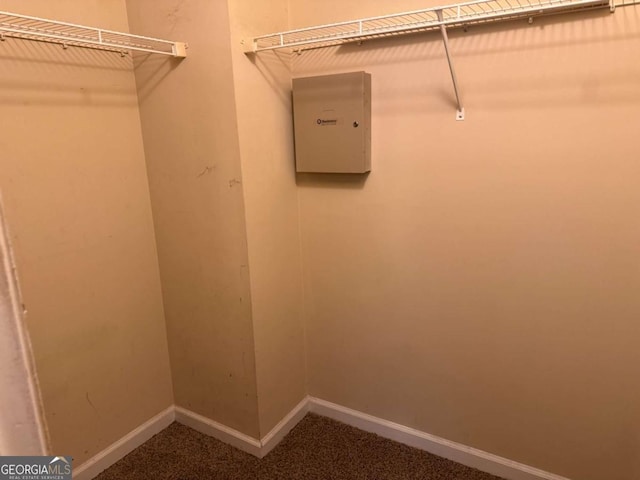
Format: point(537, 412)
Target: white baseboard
point(110, 455)
point(277, 433)
point(219, 431)
point(258, 448)
point(469, 456)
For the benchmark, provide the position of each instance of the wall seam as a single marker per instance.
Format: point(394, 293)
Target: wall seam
point(153, 217)
point(244, 218)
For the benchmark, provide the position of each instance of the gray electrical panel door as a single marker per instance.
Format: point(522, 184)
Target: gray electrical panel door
point(332, 123)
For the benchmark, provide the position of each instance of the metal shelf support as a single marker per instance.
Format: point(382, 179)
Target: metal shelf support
point(70, 34)
point(445, 40)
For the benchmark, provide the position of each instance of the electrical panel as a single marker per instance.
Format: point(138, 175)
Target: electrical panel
point(332, 123)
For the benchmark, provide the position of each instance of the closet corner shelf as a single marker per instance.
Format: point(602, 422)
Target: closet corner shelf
point(456, 15)
point(69, 34)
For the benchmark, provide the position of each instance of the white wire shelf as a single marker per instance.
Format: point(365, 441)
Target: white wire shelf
point(69, 34)
point(457, 15)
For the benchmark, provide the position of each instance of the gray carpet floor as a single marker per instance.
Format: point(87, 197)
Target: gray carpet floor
point(316, 449)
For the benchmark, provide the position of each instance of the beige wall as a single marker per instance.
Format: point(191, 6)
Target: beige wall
point(191, 143)
point(263, 102)
point(225, 205)
point(77, 202)
point(481, 284)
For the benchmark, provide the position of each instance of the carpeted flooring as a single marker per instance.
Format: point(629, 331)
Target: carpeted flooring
point(316, 449)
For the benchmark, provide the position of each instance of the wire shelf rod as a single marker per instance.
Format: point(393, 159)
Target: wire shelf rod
point(477, 11)
point(65, 33)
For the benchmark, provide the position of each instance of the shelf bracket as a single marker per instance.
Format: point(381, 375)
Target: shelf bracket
point(445, 39)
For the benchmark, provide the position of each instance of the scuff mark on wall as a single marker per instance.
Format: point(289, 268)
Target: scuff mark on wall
point(175, 14)
point(91, 403)
point(244, 364)
point(207, 169)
